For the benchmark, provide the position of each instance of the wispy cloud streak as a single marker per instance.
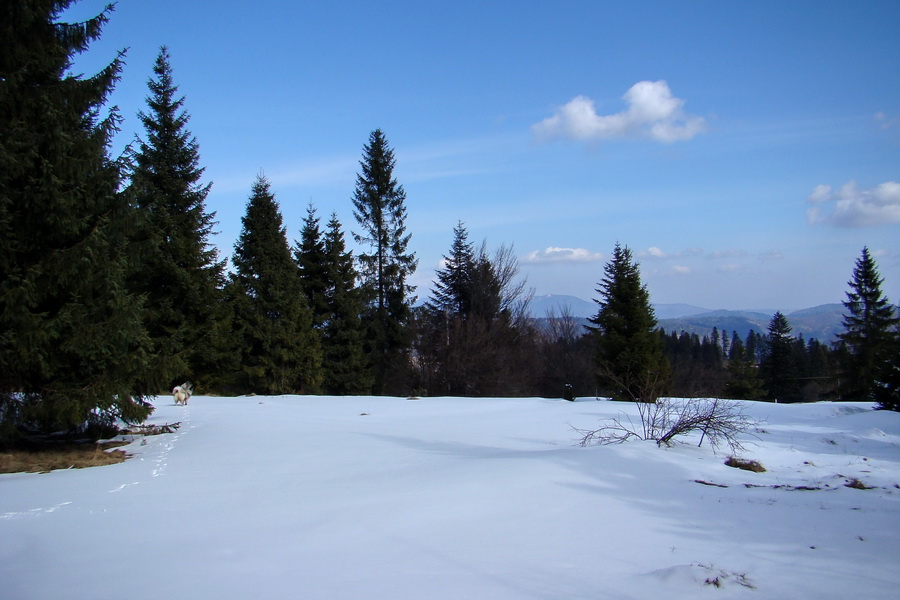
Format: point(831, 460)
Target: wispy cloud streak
point(555, 255)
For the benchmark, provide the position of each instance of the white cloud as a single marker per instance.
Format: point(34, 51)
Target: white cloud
point(653, 112)
point(562, 255)
point(886, 122)
point(681, 270)
point(850, 206)
point(657, 253)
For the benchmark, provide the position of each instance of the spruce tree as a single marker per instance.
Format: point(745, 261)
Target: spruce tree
point(380, 210)
point(778, 367)
point(752, 346)
point(178, 272)
point(868, 343)
point(72, 344)
point(443, 343)
point(631, 364)
point(309, 252)
point(280, 349)
point(347, 371)
point(452, 294)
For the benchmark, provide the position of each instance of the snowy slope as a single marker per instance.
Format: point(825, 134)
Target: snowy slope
point(445, 498)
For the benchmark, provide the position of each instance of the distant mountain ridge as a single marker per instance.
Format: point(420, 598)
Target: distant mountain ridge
point(543, 306)
point(821, 322)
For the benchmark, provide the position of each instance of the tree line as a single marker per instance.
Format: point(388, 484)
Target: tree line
point(111, 291)
point(638, 361)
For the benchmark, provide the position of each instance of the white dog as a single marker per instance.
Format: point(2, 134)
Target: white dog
point(182, 393)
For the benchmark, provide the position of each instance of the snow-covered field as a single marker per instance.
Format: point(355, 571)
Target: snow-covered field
point(394, 498)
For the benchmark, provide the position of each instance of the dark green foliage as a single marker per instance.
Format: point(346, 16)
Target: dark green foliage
point(177, 271)
point(629, 357)
point(743, 381)
point(280, 351)
point(778, 368)
point(452, 294)
point(72, 344)
point(700, 370)
point(753, 346)
point(887, 379)
point(868, 344)
point(695, 363)
point(347, 370)
point(379, 208)
point(309, 252)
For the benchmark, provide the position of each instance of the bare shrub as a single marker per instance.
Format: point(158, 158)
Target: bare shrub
point(718, 421)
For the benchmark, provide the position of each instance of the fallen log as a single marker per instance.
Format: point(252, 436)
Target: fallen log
point(152, 429)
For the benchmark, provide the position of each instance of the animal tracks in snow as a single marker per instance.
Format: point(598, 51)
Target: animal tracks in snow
point(162, 459)
point(155, 448)
point(123, 486)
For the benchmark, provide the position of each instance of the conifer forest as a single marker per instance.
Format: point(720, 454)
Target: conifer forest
point(112, 292)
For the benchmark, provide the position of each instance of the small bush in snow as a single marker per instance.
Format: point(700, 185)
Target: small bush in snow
point(718, 421)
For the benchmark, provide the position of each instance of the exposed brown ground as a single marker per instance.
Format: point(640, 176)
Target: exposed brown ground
point(71, 455)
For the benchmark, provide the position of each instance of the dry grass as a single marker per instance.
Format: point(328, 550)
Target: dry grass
point(857, 484)
point(48, 457)
point(745, 464)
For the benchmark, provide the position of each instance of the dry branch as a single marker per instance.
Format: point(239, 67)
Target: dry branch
point(152, 429)
point(718, 421)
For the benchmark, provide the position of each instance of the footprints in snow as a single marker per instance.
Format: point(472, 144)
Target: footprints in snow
point(162, 460)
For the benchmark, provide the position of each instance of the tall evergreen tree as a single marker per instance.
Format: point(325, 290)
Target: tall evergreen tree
point(280, 349)
point(452, 294)
point(778, 367)
point(178, 272)
point(309, 252)
point(631, 364)
point(347, 371)
point(380, 210)
point(752, 346)
point(72, 345)
point(446, 356)
point(869, 340)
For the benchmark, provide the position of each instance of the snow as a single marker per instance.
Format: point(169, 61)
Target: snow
point(448, 498)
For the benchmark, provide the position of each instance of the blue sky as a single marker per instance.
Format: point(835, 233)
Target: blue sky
point(744, 151)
